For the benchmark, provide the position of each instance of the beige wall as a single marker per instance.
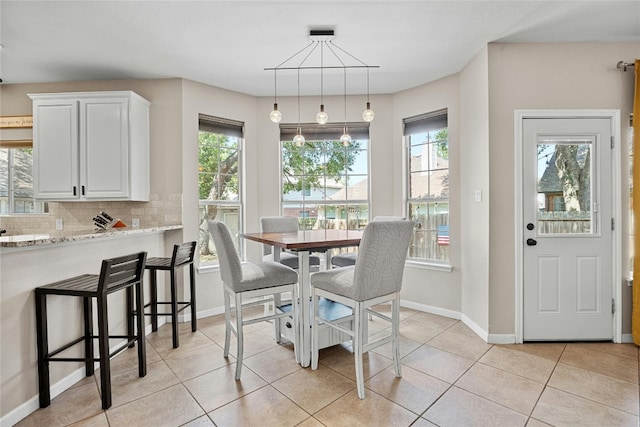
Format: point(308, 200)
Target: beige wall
point(545, 76)
point(474, 176)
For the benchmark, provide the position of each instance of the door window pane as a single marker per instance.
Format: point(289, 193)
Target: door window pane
point(564, 186)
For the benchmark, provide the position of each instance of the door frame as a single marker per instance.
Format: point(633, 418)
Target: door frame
point(616, 209)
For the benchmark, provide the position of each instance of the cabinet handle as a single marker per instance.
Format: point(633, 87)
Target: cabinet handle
point(74, 190)
point(83, 190)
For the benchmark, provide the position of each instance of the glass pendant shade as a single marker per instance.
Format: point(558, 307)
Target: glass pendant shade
point(345, 139)
point(368, 114)
point(275, 115)
point(298, 140)
point(322, 117)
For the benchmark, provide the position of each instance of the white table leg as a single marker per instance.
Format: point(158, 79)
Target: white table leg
point(304, 321)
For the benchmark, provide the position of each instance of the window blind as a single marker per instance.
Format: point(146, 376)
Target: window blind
point(426, 122)
point(328, 132)
point(219, 125)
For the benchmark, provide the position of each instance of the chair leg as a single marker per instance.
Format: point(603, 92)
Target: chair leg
point(395, 330)
point(174, 309)
point(227, 323)
point(43, 350)
point(130, 310)
point(140, 336)
point(239, 335)
point(153, 299)
point(314, 330)
point(88, 336)
point(103, 345)
point(192, 290)
point(358, 339)
point(276, 322)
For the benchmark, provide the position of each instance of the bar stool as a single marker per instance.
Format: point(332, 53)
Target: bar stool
point(183, 255)
point(121, 273)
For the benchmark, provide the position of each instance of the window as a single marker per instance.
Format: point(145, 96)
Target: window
point(326, 184)
point(220, 187)
point(427, 142)
point(16, 182)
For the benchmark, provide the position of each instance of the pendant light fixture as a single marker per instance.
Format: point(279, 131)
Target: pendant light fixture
point(307, 59)
point(322, 117)
point(368, 114)
point(345, 139)
point(275, 115)
point(298, 140)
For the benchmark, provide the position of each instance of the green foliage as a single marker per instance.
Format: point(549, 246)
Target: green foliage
point(306, 167)
point(218, 167)
point(442, 138)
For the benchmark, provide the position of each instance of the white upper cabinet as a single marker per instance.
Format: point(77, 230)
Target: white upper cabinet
point(90, 146)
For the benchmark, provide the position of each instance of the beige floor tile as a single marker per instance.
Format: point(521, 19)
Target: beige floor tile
point(264, 407)
point(559, 408)
point(313, 390)
point(460, 408)
point(620, 367)
point(310, 422)
point(255, 342)
point(373, 410)
point(421, 422)
point(274, 363)
point(406, 345)
point(520, 363)
point(461, 344)
point(415, 390)
point(173, 406)
point(99, 420)
point(217, 388)
point(441, 364)
point(163, 344)
point(128, 386)
point(203, 421)
point(128, 359)
point(593, 386)
point(507, 389)
point(187, 365)
point(419, 331)
point(344, 363)
point(73, 405)
point(434, 320)
point(551, 351)
point(629, 350)
point(536, 423)
point(462, 329)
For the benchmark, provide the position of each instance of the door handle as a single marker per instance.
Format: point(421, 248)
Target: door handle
point(532, 242)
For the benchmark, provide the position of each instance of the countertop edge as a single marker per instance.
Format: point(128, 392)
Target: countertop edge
point(43, 239)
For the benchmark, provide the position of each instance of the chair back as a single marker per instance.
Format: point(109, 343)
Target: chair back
point(388, 218)
point(228, 258)
point(381, 256)
point(183, 254)
point(121, 272)
point(277, 224)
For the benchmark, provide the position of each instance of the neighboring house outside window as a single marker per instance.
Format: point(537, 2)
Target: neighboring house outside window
point(219, 181)
point(16, 182)
point(427, 157)
point(324, 183)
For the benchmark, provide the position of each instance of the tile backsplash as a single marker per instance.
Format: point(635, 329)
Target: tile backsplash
point(161, 209)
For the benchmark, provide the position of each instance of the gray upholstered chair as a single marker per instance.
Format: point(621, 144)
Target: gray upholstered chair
point(349, 258)
point(375, 279)
point(285, 224)
point(252, 282)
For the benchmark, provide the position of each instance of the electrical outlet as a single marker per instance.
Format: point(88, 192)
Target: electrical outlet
point(135, 222)
point(58, 223)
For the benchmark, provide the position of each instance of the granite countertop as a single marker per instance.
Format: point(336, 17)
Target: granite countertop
point(24, 240)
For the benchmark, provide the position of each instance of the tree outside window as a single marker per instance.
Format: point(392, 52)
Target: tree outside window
point(16, 183)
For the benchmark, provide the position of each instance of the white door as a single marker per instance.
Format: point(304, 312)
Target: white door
point(567, 237)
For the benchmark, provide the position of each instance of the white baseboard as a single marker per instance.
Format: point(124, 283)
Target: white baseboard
point(431, 309)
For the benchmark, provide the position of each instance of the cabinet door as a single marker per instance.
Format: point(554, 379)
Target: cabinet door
point(104, 148)
point(55, 145)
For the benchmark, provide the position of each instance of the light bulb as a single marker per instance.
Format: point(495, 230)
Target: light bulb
point(298, 140)
point(322, 117)
point(345, 139)
point(368, 114)
point(275, 115)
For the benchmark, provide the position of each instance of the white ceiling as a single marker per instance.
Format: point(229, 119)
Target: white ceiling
point(229, 44)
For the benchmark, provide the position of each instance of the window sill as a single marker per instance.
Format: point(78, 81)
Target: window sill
point(208, 268)
point(427, 265)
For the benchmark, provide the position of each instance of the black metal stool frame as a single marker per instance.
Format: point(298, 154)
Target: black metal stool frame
point(121, 273)
point(183, 255)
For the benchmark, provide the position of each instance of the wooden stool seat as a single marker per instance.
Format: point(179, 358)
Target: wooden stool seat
point(183, 256)
point(122, 273)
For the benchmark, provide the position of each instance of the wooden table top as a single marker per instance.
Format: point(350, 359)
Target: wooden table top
point(311, 240)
